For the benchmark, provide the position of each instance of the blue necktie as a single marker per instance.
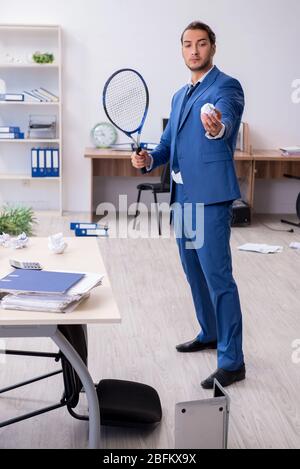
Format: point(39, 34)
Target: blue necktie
point(189, 93)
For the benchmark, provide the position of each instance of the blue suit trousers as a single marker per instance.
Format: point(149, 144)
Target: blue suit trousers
point(208, 270)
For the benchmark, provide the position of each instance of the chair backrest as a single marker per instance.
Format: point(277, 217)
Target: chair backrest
point(298, 206)
point(165, 178)
point(76, 337)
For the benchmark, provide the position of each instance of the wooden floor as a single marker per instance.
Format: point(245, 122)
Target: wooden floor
point(157, 311)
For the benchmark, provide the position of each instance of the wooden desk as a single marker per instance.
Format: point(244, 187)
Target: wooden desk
point(111, 163)
point(249, 166)
point(99, 308)
point(270, 164)
point(245, 172)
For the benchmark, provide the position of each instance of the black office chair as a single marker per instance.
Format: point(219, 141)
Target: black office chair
point(297, 205)
point(122, 403)
point(161, 187)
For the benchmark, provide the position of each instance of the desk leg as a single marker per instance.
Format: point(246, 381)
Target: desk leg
point(248, 173)
point(92, 190)
point(85, 377)
point(252, 186)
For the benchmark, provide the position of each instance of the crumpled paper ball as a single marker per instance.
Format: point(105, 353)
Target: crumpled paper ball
point(208, 108)
point(16, 243)
point(57, 244)
point(20, 242)
point(4, 240)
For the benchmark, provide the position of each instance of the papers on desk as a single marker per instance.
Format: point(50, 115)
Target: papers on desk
point(261, 248)
point(86, 284)
point(289, 151)
point(43, 303)
point(36, 301)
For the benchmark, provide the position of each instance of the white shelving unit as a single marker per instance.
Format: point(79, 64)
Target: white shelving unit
point(20, 42)
point(29, 65)
point(24, 103)
point(29, 140)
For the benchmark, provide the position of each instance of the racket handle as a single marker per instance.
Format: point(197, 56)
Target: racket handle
point(143, 170)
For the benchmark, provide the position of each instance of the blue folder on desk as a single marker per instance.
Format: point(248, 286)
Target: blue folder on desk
point(41, 281)
point(84, 226)
point(83, 233)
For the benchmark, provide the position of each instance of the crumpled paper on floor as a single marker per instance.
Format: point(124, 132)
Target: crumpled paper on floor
point(261, 248)
point(295, 245)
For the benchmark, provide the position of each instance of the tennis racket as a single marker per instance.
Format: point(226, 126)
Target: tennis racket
point(126, 104)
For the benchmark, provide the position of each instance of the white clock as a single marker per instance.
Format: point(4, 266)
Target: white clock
point(104, 134)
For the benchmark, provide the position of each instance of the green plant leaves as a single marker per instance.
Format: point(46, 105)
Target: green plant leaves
point(40, 58)
point(17, 220)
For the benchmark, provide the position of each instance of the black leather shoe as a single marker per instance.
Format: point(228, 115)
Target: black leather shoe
point(196, 346)
point(225, 378)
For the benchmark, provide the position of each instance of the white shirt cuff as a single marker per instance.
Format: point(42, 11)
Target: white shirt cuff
point(177, 178)
point(220, 135)
point(149, 168)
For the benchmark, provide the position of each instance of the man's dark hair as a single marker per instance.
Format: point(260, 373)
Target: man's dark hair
point(202, 27)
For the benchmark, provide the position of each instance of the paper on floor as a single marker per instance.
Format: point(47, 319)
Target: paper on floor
point(295, 245)
point(261, 248)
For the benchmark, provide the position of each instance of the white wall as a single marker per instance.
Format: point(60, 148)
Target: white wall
point(258, 43)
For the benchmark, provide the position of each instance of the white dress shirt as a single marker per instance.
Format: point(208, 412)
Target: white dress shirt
point(177, 176)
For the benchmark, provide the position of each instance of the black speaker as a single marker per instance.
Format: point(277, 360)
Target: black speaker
point(241, 213)
point(297, 204)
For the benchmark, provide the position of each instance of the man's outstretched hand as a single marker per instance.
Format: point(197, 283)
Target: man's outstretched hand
point(212, 122)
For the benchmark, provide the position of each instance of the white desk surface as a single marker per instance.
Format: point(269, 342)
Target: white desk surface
point(82, 255)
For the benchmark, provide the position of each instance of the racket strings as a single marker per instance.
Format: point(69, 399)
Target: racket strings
point(126, 100)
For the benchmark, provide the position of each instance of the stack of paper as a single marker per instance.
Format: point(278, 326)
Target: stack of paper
point(43, 303)
point(55, 302)
point(86, 284)
point(287, 151)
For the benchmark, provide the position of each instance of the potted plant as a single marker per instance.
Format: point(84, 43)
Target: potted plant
point(17, 220)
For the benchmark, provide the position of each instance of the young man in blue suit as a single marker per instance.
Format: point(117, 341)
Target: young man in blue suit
point(200, 147)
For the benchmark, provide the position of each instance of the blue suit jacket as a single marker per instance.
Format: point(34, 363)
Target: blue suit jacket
point(207, 166)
